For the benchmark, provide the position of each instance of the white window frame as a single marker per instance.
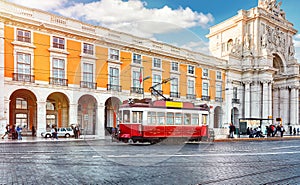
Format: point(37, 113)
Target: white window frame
point(172, 67)
point(219, 90)
point(205, 73)
point(23, 38)
point(88, 50)
point(219, 75)
point(203, 90)
point(114, 54)
point(191, 70)
point(137, 60)
point(64, 39)
point(191, 88)
point(156, 61)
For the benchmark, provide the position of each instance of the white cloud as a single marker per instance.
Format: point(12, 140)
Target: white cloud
point(46, 5)
point(133, 16)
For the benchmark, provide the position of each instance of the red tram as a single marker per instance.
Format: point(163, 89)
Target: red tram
point(153, 121)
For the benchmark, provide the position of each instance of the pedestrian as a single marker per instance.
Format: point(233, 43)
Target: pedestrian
point(33, 130)
point(7, 130)
point(76, 131)
point(282, 130)
point(54, 132)
point(294, 131)
point(231, 130)
point(19, 132)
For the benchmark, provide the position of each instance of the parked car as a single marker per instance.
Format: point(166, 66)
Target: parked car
point(61, 132)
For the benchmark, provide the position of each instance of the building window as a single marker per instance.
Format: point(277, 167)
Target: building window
point(156, 80)
point(114, 54)
point(58, 70)
point(136, 78)
point(174, 88)
point(156, 62)
point(205, 73)
point(137, 59)
point(191, 70)
point(88, 72)
point(205, 89)
point(175, 66)
point(21, 103)
point(58, 43)
point(191, 87)
point(219, 91)
point(23, 36)
point(219, 75)
point(22, 120)
point(23, 63)
point(113, 76)
point(234, 92)
point(88, 49)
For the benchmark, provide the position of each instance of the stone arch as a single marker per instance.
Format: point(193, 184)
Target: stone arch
point(229, 44)
point(111, 110)
point(23, 110)
point(218, 113)
point(279, 64)
point(87, 114)
point(57, 110)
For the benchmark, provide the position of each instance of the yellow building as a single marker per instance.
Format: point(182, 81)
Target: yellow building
point(60, 71)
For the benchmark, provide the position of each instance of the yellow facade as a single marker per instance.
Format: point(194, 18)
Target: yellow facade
point(41, 57)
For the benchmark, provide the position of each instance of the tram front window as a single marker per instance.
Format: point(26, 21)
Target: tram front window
point(137, 117)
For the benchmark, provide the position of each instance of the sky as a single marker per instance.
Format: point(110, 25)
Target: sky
point(183, 23)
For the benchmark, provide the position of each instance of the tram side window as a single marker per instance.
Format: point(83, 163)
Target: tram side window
point(170, 118)
point(137, 117)
point(187, 119)
point(152, 118)
point(161, 118)
point(195, 119)
point(204, 119)
point(126, 116)
point(178, 119)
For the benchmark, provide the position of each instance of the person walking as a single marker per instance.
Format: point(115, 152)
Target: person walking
point(231, 130)
point(7, 130)
point(54, 132)
point(19, 132)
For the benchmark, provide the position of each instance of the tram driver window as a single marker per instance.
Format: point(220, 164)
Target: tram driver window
point(126, 116)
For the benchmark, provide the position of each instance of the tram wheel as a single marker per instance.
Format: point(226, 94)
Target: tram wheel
point(130, 141)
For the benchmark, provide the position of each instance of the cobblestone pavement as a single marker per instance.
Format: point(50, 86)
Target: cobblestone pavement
point(98, 162)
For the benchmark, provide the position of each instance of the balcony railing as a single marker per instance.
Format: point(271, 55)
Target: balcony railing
point(90, 85)
point(205, 98)
point(235, 100)
point(137, 90)
point(114, 87)
point(191, 96)
point(175, 94)
point(58, 81)
point(23, 77)
point(218, 99)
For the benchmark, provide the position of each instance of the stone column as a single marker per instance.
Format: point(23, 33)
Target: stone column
point(265, 103)
point(294, 106)
point(247, 99)
point(270, 94)
point(100, 130)
point(3, 119)
point(73, 113)
point(284, 105)
point(256, 100)
point(41, 118)
point(276, 113)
